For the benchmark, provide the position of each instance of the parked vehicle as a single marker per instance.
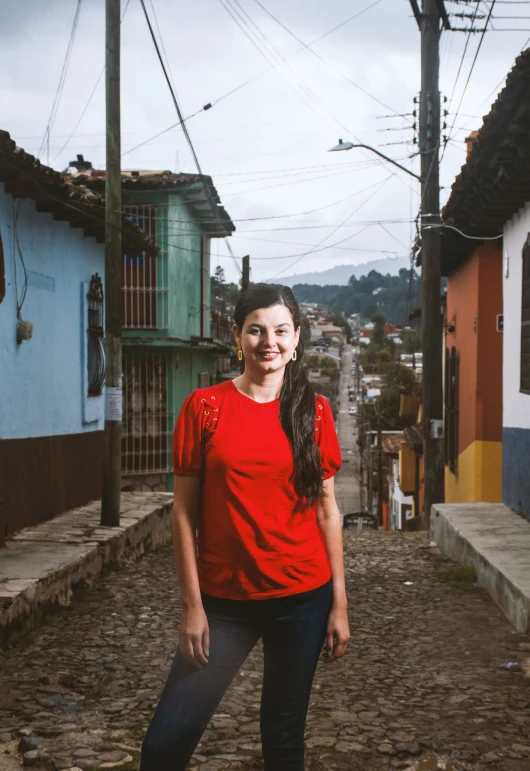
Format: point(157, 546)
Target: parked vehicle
point(353, 410)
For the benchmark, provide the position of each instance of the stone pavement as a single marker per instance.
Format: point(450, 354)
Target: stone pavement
point(421, 687)
point(41, 566)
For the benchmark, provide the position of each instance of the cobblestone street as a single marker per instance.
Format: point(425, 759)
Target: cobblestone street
point(420, 688)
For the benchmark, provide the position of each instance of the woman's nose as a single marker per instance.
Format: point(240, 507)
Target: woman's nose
point(270, 339)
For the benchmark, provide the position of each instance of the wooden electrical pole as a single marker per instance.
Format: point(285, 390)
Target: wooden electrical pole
point(380, 484)
point(245, 278)
point(432, 390)
point(110, 502)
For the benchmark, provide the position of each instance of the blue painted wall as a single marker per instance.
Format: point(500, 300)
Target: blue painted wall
point(516, 469)
point(43, 380)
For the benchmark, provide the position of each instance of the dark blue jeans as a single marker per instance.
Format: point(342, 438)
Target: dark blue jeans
point(293, 632)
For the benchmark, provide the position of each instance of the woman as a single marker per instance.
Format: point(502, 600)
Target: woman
point(254, 461)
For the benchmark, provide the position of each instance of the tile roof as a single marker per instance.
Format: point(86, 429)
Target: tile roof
point(494, 182)
point(392, 444)
point(197, 190)
point(414, 438)
point(24, 176)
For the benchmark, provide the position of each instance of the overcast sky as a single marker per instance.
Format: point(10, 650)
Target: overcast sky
point(265, 144)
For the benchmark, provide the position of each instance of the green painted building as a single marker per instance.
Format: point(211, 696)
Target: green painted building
point(169, 347)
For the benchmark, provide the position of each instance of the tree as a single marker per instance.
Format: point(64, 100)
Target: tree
point(397, 379)
point(339, 321)
point(305, 331)
point(219, 275)
point(412, 340)
point(378, 337)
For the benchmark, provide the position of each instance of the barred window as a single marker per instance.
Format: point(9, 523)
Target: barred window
point(452, 364)
point(96, 347)
point(525, 321)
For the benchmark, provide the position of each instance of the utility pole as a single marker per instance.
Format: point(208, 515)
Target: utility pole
point(432, 391)
point(379, 474)
point(245, 278)
point(110, 502)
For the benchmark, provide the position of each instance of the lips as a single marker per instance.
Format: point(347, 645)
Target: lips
point(269, 355)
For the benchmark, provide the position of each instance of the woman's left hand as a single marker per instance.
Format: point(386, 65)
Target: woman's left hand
point(337, 634)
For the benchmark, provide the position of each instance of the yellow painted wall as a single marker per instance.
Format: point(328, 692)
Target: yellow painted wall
point(479, 474)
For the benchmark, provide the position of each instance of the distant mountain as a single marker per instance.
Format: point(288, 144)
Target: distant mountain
point(340, 274)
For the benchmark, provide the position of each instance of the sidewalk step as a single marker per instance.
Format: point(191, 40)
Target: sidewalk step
point(40, 566)
point(496, 542)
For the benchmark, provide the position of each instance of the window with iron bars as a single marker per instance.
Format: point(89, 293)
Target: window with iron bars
point(452, 365)
point(96, 345)
point(525, 321)
point(145, 277)
point(147, 421)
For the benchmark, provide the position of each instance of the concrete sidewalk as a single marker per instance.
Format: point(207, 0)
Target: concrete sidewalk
point(496, 542)
point(41, 566)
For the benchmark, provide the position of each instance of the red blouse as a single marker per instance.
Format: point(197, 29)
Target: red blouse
point(256, 539)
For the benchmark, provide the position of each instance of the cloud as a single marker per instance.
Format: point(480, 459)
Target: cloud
point(265, 143)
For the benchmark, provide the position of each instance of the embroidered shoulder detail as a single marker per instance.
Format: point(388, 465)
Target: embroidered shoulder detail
point(318, 418)
point(210, 415)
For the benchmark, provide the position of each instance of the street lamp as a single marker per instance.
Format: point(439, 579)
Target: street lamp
point(349, 146)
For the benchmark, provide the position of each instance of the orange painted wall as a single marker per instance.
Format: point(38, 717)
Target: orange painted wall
point(489, 398)
point(474, 299)
point(462, 305)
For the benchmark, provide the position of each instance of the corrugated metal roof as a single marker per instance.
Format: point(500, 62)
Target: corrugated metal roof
point(197, 190)
point(24, 176)
point(494, 182)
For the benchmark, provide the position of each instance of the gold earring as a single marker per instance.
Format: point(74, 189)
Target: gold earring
point(240, 354)
point(295, 355)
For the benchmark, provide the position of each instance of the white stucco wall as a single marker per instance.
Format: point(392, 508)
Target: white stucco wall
point(396, 496)
point(43, 381)
point(516, 406)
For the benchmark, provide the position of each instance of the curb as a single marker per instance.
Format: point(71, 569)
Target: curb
point(40, 567)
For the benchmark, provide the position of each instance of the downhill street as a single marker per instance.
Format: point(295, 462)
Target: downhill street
point(347, 480)
point(420, 688)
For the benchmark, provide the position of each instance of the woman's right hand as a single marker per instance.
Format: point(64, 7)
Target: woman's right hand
point(194, 636)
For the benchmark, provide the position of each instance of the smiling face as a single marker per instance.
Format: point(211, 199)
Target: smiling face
point(268, 338)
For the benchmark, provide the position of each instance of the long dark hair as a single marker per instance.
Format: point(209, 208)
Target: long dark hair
point(297, 398)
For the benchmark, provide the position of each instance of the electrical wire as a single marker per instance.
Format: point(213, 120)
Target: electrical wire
point(17, 249)
point(182, 122)
point(87, 105)
point(473, 63)
point(472, 238)
point(255, 40)
point(460, 70)
point(322, 59)
point(316, 247)
point(62, 80)
point(260, 74)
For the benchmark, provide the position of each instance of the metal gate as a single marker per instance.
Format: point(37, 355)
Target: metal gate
point(147, 423)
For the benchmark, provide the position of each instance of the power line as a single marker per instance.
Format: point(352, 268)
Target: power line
point(260, 74)
point(254, 39)
point(181, 119)
point(98, 81)
point(62, 80)
point(316, 246)
point(322, 59)
point(473, 63)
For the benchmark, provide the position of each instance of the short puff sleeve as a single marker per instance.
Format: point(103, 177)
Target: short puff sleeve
point(187, 446)
point(326, 438)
